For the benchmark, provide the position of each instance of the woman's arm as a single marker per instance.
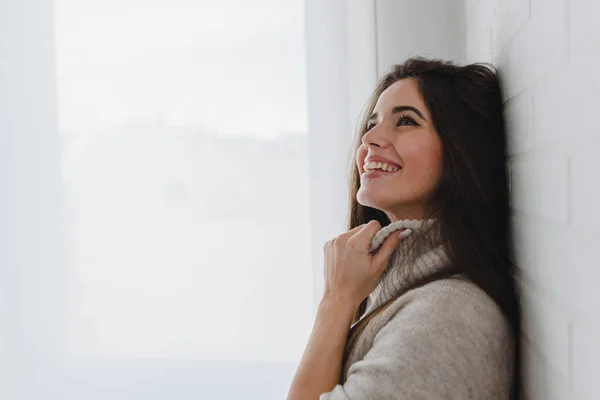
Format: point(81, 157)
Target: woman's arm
point(351, 273)
point(320, 366)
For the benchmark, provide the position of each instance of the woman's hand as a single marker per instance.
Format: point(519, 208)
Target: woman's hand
point(351, 272)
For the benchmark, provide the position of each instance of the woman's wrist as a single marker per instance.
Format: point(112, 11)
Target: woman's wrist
point(340, 304)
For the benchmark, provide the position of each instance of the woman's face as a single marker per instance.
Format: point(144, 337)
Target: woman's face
point(400, 130)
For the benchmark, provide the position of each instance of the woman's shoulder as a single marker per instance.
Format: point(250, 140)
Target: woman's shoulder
point(446, 338)
point(455, 300)
point(453, 288)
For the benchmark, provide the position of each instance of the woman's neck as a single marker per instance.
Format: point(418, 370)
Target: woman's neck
point(416, 212)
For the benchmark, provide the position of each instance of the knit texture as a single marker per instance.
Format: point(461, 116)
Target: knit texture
point(445, 339)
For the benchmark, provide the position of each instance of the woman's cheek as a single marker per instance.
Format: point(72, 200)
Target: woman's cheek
point(422, 173)
point(430, 174)
point(360, 155)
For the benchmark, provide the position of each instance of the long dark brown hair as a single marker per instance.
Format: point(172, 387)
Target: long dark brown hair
point(471, 202)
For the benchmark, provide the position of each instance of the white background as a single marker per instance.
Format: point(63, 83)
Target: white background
point(138, 260)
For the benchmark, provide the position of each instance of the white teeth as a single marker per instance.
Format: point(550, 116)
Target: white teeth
point(379, 165)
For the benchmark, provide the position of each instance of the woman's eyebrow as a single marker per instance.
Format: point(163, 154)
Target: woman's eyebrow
point(398, 109)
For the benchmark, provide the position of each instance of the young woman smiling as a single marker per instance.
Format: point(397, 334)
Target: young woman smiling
point(420, 299)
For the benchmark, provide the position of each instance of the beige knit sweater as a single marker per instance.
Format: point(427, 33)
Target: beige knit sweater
point(446, 339)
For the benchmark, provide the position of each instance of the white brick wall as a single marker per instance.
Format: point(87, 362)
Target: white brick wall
point(548, 53)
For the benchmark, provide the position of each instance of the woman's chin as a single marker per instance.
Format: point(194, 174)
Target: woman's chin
point(368, 200)
point(388, 203)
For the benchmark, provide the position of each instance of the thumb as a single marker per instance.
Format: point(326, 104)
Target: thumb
point(389, 245)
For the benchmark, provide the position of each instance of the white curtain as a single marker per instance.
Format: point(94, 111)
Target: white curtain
point(155, 226)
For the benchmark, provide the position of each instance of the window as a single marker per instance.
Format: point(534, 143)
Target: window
point(185, 170)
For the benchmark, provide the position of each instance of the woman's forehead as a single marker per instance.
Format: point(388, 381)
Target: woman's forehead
point(402, 92)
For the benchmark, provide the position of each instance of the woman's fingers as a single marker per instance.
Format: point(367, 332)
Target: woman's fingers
point(352, 232)
point(390, 243)
point(368, 230)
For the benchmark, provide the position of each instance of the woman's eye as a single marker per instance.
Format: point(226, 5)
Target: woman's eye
point(406, 120)
point(403, 120)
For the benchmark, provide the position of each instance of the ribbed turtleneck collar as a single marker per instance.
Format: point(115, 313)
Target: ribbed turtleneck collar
point(408, 264)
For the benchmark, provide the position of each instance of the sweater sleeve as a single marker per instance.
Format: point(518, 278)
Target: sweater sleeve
point(447, 341)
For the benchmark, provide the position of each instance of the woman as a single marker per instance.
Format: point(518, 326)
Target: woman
point(420, 299)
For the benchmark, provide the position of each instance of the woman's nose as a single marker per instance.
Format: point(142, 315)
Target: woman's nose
point(372, 138)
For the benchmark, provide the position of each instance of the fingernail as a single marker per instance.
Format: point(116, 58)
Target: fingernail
point(404, 233)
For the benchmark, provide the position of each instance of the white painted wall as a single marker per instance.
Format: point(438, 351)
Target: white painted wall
point(548, 53)
point(407, 28)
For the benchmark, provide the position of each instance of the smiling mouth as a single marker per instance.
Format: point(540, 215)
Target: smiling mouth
point(378, 173)
point(367, 170)
point(380, 166)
